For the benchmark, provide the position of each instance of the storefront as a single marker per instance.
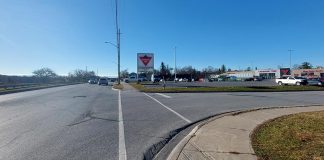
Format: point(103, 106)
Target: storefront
point(309, 73)
point(268, 74)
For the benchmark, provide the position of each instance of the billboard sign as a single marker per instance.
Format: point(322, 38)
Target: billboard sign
point(145, 62)
point(284, 71)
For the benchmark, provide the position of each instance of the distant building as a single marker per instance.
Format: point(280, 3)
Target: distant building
point(309, 73)
point(242, 74)
point(268, 74)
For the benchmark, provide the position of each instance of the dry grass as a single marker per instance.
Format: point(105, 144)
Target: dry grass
point(293, 137)
point(228, 89)
point(118, 86)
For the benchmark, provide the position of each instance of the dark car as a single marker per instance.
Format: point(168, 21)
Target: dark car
point(92, 81)
point(257, 78)
point(315, 82)
point(103, 81)
point(322, 80)
point(249, 79)
point(156, 79)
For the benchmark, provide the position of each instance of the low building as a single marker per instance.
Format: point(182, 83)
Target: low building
point(268, 73)
point(309, 73)
point(242, 74)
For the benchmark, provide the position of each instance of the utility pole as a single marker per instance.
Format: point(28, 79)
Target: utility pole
point(175, 64)
point(290, 50)
point(118, 41)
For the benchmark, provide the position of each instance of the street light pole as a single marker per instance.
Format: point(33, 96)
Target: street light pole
point(175, 64)
point(290, 50)
point(118, 41)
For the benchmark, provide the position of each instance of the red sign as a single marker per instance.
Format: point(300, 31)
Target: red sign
point(145, 59)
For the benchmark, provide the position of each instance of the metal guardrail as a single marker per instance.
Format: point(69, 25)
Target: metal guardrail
point(29, 85)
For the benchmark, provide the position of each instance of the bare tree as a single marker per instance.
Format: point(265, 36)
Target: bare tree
point(124, 73)
point(44, 74)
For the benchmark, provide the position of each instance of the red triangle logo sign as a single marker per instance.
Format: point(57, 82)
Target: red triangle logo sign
point(145, 59)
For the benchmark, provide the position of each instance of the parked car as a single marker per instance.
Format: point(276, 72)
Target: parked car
point(103, 81)
point(213, 79)
point(322, 80)
point(131, 79)
point(232, 78)
point(142, 79)
point(156, 79)
point(249, 79)
point(288, 80)
point(92, 81)
point(314, 82)
point(257, 78)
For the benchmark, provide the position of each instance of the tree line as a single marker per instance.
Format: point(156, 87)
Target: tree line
point(47, 75)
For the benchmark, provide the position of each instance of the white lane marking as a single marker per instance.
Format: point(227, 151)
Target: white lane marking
point(163, 95)
point(182, 117)
point(122, 148)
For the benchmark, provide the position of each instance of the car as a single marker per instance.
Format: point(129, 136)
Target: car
point(322, 80)
point(156, 79)
point(142, 79)
point(314, 82)
point(103, 81)
point(131, 79)
point(92, 81)
point(213, 79)
point(249, 79)
point(288, 80)
point(257, 78)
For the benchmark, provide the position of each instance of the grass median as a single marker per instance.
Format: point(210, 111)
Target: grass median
point(226, 89)
point(118, 86)
point(293, 137)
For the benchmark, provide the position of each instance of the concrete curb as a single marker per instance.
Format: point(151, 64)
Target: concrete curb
point(114, 89)
point(177, 150)
point(175, 153)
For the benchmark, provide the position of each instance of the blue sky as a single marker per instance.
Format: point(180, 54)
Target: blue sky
point(68, 34)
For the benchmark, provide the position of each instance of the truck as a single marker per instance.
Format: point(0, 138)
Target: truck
point(289, 80)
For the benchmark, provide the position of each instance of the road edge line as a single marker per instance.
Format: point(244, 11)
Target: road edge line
point(121, 134)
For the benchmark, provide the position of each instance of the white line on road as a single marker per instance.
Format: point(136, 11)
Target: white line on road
point(163, 95)
point(182, 117)
point(122, 148)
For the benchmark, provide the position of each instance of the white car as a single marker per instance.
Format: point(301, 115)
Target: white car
point(289, 80)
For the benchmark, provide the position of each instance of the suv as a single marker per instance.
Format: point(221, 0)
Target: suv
point(103, 81)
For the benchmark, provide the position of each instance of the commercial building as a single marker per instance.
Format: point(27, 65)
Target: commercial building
point(241, 74)
point(268, 74)
point(309, 73)
point(265, 74)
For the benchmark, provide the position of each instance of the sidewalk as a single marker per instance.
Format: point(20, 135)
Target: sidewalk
point(127, 87)
point(228, 138)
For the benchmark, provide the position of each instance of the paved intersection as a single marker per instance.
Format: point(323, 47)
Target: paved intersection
point(83, 121)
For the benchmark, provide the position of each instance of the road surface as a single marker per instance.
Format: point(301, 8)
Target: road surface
point(95, 122)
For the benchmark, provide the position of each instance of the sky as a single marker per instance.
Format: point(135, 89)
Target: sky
point(65, 35)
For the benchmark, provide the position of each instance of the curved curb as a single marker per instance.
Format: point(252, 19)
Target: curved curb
point(114, 89)
point(177, 150)
point(174, 154)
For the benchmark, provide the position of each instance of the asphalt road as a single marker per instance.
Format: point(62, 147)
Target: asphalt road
point(85, 121)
